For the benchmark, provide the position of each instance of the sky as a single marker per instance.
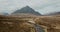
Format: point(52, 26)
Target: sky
point(41, 6)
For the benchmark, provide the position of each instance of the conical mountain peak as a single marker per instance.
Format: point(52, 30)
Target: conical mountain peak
point(27, 6)
point(27, 10)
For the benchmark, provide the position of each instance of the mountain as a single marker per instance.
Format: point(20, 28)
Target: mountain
point(27, 10)
point(1, 13)
point(54, 13)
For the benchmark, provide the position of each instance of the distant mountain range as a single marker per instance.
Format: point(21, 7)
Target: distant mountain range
point(54, 13)
point(1, 13)
point(29, 11)
point(26, 10)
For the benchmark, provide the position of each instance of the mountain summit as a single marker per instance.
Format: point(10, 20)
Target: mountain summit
point(27, 10)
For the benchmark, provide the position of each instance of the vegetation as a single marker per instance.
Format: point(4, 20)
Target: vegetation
point(20, 24)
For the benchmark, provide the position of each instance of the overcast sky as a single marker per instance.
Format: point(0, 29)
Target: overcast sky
point(42, 6)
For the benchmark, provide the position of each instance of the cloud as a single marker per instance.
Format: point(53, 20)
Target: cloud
point(42, 6)
point(48, 6)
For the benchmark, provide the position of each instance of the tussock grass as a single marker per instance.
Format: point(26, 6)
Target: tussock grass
point(52, 23)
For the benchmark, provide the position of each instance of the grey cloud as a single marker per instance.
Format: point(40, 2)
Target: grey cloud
point(39, 5)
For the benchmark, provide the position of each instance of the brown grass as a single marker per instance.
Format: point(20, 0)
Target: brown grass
point(17, 24)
